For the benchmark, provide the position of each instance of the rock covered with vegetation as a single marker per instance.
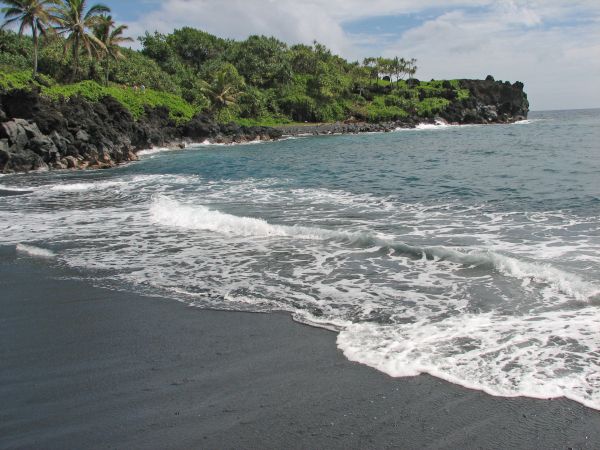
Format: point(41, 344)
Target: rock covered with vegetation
point(37, 132)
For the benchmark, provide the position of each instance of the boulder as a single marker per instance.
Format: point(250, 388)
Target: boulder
point(14, 130)
point(412, 82)
point(201, 127)
point(82, 136)
point(4, 153)
point(61, 143)
point(59, 164)
point(71, 162)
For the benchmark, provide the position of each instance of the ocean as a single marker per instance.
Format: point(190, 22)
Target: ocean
point(471, 253)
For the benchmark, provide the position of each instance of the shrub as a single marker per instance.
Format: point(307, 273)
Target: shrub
point(431, 106)
point(16, 80)
point(330, 112)
point(300, 107)
point(135, 102)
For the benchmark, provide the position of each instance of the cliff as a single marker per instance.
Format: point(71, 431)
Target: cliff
point(489, 101)
point(37, 133)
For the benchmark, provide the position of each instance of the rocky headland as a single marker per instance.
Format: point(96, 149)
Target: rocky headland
point(37, 133)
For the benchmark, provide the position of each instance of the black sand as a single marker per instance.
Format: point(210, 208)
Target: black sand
point(83, 367)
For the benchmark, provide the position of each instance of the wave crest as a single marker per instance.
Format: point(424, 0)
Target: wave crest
point(168, 212)
point(36, 252)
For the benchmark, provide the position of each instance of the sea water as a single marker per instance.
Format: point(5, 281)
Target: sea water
point(469, 253)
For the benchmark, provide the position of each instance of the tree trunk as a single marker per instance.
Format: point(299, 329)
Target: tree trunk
point(107, 69)
point(75, 58)
point(35, 50)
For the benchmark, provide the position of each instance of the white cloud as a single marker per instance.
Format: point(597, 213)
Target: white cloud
point(559, 65)
point(551, 45)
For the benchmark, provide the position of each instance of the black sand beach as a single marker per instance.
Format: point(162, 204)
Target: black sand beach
point(83, 367)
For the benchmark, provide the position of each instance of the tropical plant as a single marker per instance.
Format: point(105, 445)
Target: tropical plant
point(372, 64)
point(30, 14)
point(263, 62)
point(110, 36)
point(74, 20)
point(224, 89)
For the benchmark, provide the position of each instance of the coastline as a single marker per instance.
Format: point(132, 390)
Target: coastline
point(39, 133)
point(88, 367)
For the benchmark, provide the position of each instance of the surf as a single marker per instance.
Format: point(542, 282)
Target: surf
point(173, 213)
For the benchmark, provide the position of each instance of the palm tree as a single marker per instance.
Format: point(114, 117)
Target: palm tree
point(74, 19)
point(221, 91)
point(30, 14)
point(111, 36)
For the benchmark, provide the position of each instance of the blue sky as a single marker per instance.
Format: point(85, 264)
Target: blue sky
point(130, 10)
point(553, 46)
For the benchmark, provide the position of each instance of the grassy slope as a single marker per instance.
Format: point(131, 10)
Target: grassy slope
point(424, 100)
point(179, 109)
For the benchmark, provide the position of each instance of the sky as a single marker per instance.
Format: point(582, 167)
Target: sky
point(553, 46)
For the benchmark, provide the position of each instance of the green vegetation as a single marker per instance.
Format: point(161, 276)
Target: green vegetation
point(135, 102)
point(32, 14)
point(77, 26)
point(111, 37)
point(260, 80)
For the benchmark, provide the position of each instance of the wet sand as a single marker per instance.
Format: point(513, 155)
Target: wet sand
point(85, 367)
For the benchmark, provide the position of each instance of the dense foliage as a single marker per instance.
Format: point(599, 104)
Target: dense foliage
point(258, 80)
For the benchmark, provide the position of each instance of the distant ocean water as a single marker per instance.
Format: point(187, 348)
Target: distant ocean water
point(471, 253)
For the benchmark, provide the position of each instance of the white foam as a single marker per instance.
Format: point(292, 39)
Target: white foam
point(36, 252)
point(209, 143)
point(173, 213)
point(548, 355)
point(567, 283)
point(152, 151)
point(14, 188)
point(526, 121)
point(437, 125)
point(82, 187)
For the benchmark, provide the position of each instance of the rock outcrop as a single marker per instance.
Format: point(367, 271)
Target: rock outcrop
point(489, 101)
point(37, 133)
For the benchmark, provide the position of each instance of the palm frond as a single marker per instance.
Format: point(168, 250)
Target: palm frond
point(9, 22)
point(96, 11)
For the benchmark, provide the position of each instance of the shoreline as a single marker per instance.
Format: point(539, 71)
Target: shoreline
point(89, 367)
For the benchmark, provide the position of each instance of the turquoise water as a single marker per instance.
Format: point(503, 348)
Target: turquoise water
point(471, 253)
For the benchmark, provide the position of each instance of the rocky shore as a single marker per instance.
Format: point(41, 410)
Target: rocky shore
point(490, 102)
point(37, 133)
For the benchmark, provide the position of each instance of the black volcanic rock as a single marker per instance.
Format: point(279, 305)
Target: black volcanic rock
point(201, 127)
point(489, 102)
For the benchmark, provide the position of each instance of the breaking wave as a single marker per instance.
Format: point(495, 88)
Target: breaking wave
point(36, 252)
point(172, 213)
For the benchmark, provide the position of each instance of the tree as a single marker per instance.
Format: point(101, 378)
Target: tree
point(195, 47)
point(303, 59)
point(360, 77)
point(385, 67)
point(75, 20)
point(374, 66)
point(263, 62)
point(30, 14)
point(225, 88)
point(411, 67)
point(328, 83)
point(110, 36)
